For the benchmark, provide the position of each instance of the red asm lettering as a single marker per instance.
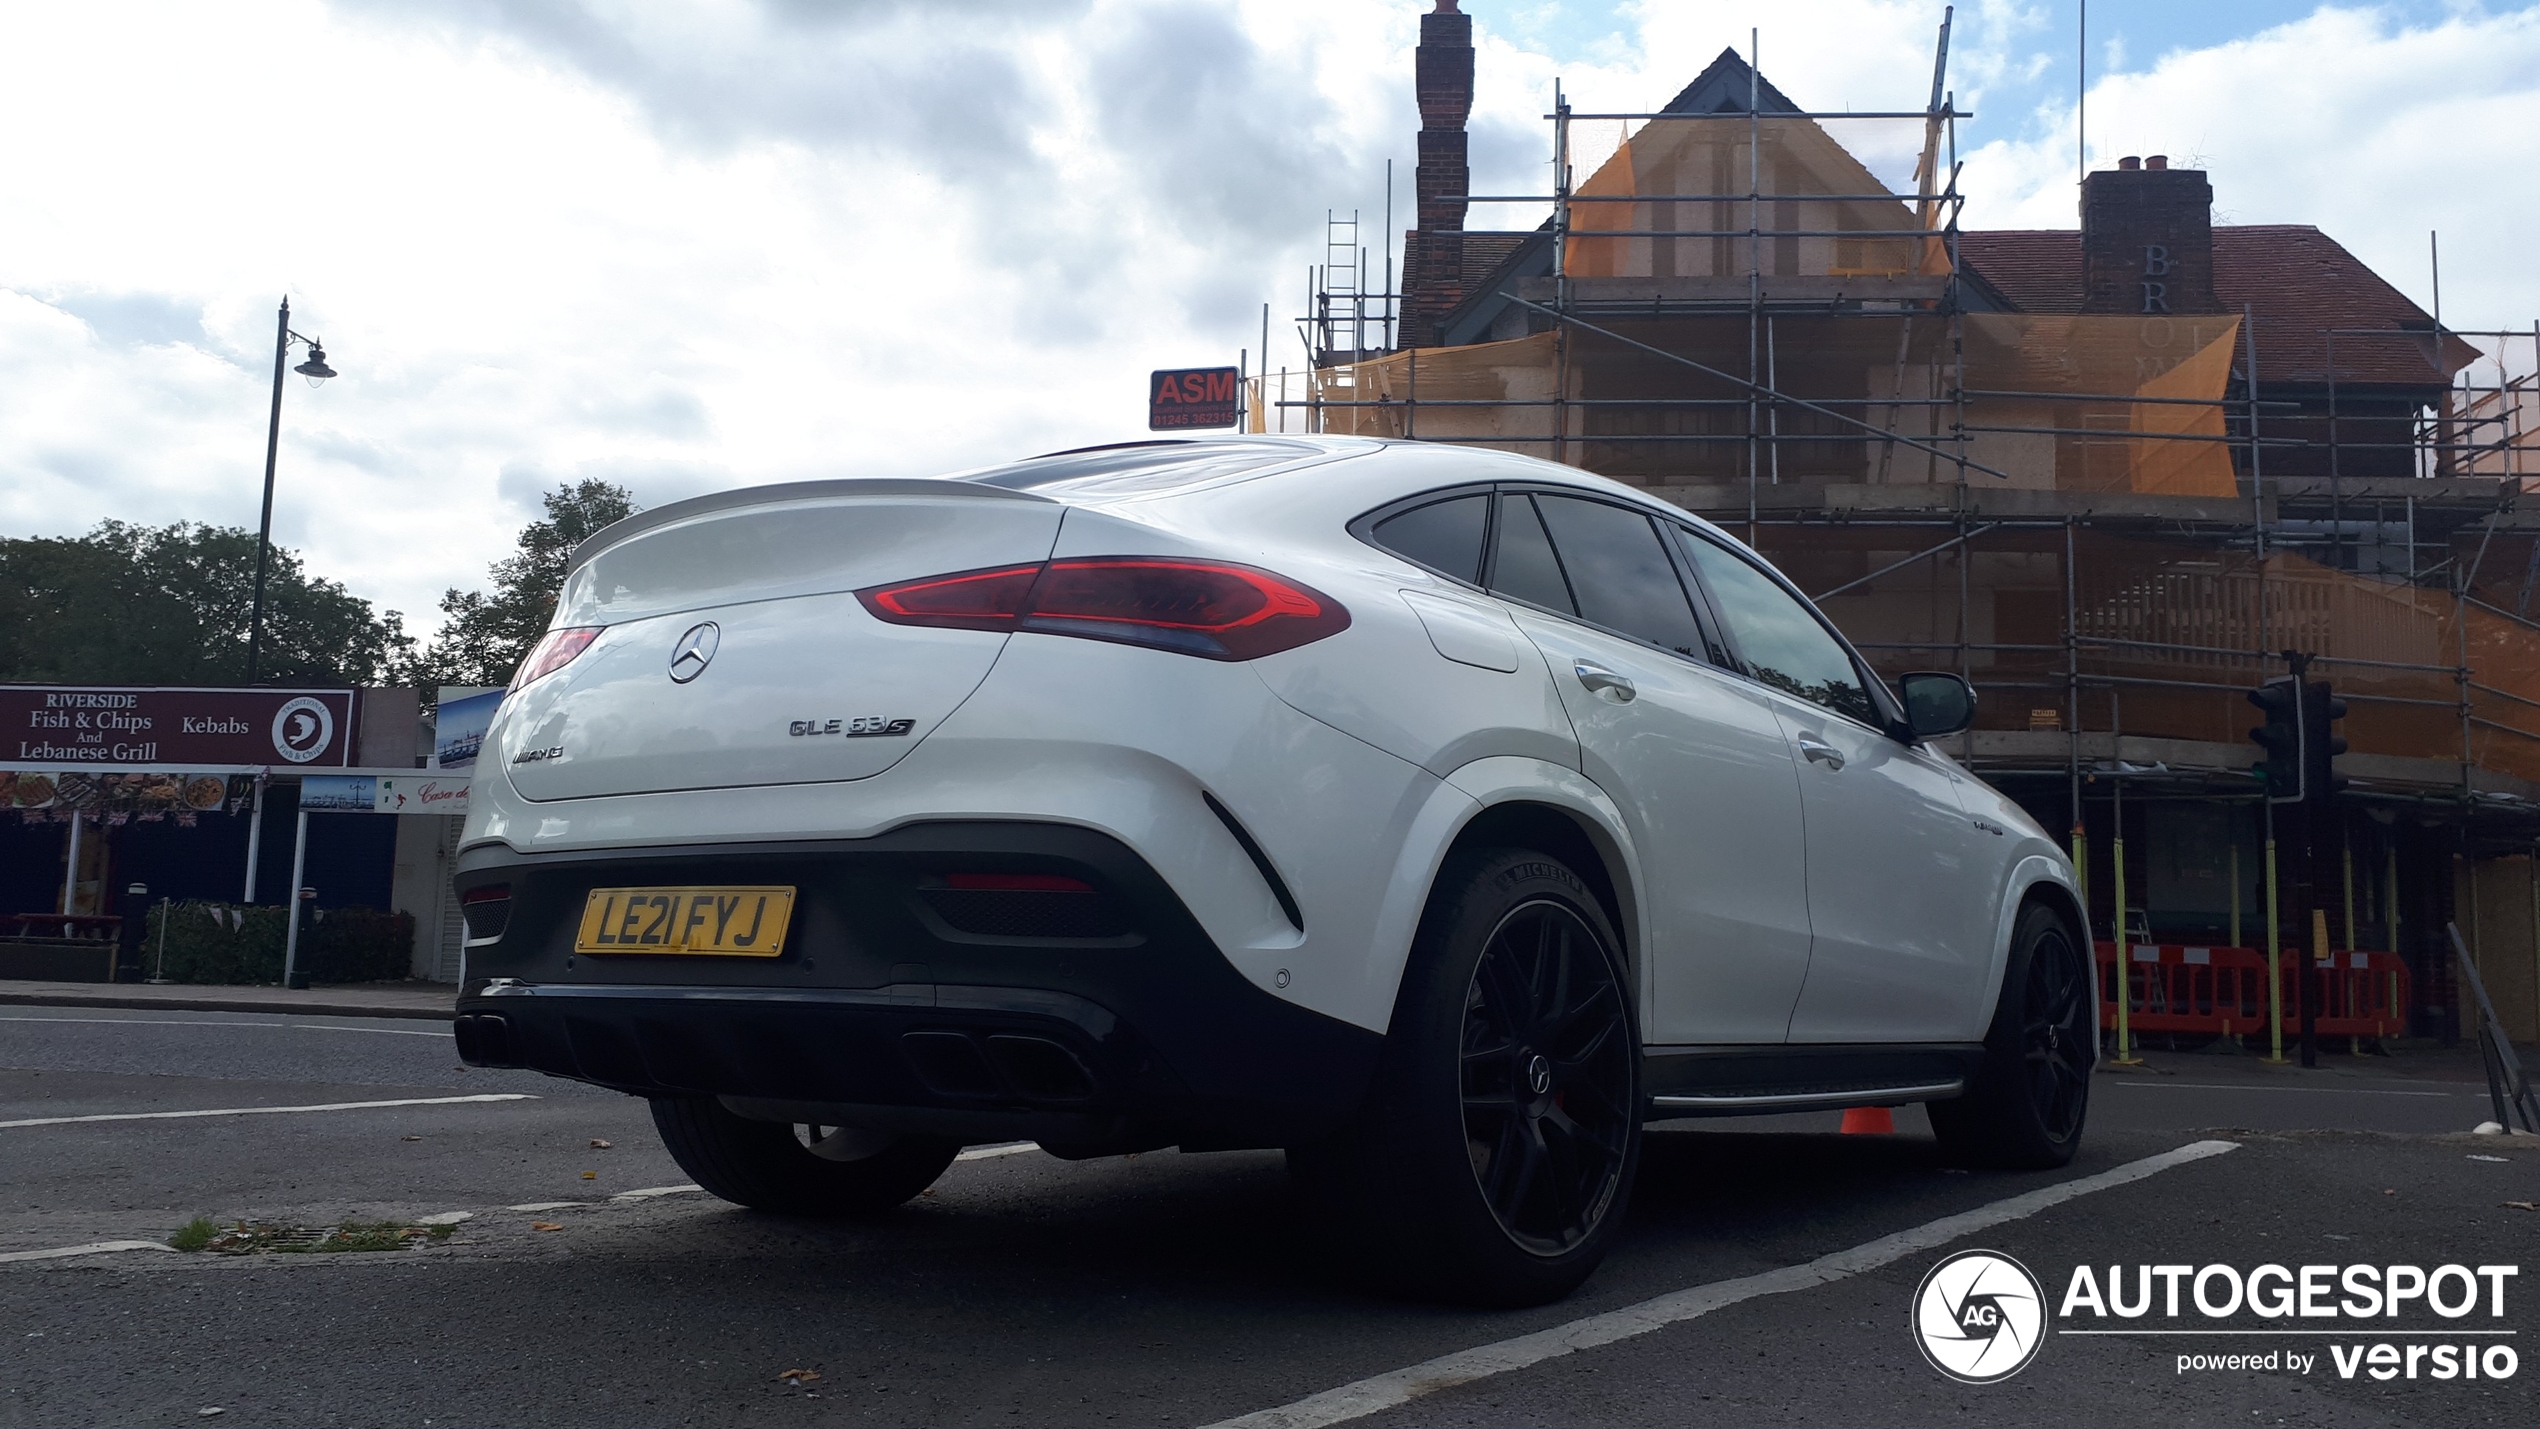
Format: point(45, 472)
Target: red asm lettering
point(1188, 397)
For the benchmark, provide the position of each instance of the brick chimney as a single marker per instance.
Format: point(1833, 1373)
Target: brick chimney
point(2147, 239)
point(1433, 259)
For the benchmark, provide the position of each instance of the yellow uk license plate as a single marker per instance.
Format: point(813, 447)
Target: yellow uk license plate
point(723, 922)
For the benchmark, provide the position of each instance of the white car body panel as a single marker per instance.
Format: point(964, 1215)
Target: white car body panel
point(1490, 782)
point(769, 716)
point(1701, 771)
point(1902, 888)
point(1353, 761)
point(774, 580)
point(807, 539)
point(1065, 731)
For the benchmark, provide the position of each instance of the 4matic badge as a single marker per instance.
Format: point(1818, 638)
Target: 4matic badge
point(1979, 1317)
point(861, 727)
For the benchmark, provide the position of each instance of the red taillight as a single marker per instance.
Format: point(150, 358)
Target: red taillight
point(554, 652)
point(973, 600)
point(489, 893)
point(1214, 609)
point(1018, 882)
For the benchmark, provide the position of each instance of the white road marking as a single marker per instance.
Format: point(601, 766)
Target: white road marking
point(648, 1192)
point(1011, 1148)
point(2228, 1087)
point(189, 1022)
point(550, 1205)
point(96, 1247)
point(267, 1110)
point(1386, 1391)
point(446, 1218)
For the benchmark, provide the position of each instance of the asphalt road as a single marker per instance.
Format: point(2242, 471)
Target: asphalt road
point(1162, 1289)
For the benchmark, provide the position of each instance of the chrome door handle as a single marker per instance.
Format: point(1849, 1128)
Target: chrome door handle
point(1599, 680)
point(1818, 751)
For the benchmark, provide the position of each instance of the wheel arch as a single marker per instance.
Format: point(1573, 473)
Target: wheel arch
point(1549, 829)
point(2035, 879)
point(1555, 810)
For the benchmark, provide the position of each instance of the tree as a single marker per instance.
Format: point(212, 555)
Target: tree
point(484, 637)
point(168, 605)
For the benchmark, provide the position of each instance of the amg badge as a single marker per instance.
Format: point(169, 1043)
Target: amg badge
point(861, 727)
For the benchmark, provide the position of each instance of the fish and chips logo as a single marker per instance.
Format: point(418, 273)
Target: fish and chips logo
point(302, 729)
point(1979, 1317)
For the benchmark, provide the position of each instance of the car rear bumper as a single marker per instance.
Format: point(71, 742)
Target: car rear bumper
point(1088, 1021)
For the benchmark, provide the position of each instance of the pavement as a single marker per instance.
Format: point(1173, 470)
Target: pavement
point(358, 999)
point(1766, 1276)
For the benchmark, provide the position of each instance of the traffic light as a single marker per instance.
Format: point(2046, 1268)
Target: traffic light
point(2284, 765)
point(2320, 713)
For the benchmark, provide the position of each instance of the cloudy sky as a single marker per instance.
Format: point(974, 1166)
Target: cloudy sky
point(689, 244)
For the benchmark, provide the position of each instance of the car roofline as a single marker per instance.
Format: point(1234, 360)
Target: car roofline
point(1587, 483)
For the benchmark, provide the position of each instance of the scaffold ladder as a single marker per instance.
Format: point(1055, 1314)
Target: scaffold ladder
point(1341, 302)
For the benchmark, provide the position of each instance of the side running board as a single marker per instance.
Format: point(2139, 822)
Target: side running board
point(1758, 1103)
point(1782, 1077)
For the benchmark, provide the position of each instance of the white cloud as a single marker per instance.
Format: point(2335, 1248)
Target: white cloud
point(2373, 130)
point(691, 245)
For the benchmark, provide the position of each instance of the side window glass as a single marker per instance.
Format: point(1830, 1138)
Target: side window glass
point(1782, 643)
point(1524, 566)
point(1620, 572)
point(1445, 536)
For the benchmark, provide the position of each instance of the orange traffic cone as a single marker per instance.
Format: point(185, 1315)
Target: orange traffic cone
point(1869, 1121)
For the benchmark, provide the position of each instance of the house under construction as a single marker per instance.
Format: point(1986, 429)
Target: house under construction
point(2111, 474)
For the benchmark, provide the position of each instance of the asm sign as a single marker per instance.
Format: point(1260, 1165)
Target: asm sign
point(1193, 397)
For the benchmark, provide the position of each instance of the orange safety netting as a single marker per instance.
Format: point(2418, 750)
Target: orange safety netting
point(1811, 215)
point(2171, 612)
point(2052, 400)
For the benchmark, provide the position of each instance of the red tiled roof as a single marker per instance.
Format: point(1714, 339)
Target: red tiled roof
point(2297, 279)
point(1485, 250)
point(2037, 268)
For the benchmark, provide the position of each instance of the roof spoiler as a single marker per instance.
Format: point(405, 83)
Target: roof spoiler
point(780, 493)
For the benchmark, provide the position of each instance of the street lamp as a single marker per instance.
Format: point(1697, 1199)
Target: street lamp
point(316, 370)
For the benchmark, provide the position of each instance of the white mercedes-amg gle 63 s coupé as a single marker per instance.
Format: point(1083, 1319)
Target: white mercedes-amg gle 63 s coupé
point(1437, 815)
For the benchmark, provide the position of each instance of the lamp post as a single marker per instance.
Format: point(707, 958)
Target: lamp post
point(316, 370)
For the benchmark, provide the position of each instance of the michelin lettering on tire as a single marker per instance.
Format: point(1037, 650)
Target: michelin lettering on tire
point(1979, 1317)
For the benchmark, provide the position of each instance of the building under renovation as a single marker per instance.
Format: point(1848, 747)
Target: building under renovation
point(2110, 473)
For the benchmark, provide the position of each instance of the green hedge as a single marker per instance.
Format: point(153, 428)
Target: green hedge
point(228, 943)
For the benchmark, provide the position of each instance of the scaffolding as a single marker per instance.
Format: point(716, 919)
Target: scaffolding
point(2113, 525)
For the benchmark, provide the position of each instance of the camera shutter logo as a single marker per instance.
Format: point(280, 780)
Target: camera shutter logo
point(302, 729)
point(1979, 1317)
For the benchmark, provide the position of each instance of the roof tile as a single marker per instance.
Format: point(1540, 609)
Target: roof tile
point(2298, 280)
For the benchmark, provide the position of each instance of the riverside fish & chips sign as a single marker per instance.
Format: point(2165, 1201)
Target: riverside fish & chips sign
point(126, 725)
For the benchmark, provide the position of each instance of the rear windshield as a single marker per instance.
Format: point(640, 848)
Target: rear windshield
point(1144, 466)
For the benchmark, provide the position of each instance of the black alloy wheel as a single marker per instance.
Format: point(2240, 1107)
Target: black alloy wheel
point(1547, 1077)
point(1492, 1160)
point(2057, 1030)
point(2026, 1104)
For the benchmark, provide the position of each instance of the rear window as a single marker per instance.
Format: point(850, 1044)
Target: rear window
point(1446, 536)
point(1142, 466)
point(1526, 568)
point(1620, 573)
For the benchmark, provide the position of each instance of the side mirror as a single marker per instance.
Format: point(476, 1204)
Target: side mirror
point(1937, 702)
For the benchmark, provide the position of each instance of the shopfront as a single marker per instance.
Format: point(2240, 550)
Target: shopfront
point(217, 796)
